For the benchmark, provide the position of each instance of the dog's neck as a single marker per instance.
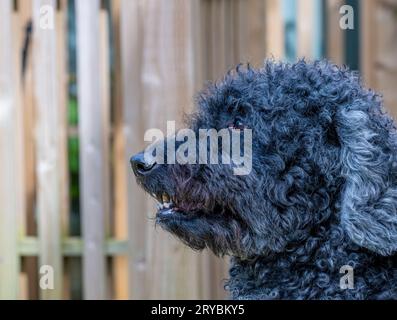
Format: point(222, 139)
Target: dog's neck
point(315, 269)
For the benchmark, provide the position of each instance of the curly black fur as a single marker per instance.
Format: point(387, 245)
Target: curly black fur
point(322, 192)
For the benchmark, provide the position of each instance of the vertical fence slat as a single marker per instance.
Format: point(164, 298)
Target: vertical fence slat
point(379, 49)
point(335, 35)
point(251, 33)
point(105, 111)
point(305, 28)
point(30, 263)
point(218, 43)
point(92, 146)
point(105, 119)
point(17, 66)
point(318, 33)
point(310, 29)
point(120, 263)
point(168, 76)
point(62, 83)
point(62, 58)
point(133, 133)
point(368, 35)
point(11, 191)
point(274, 29)
point(48, 143)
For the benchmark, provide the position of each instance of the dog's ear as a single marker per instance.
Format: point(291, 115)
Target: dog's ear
point(368, 163)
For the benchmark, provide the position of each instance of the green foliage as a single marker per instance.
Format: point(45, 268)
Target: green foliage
point(73, 112)
point(73, 145)
point(73, 152)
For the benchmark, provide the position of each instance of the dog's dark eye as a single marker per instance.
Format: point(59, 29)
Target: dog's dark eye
point(237, 125)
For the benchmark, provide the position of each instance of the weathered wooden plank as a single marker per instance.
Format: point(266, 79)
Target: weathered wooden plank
point(22, 17)
point(23, 13)
point(19, 166)
point(120, 263)
point(203, 22)
point(251, 31)
point(62, 57)
point(23, 284)
point(274, 29)
point(25, 16)
point(305, 28)
point(11, 155)
point(168, 83)
point(368, 35)
point(318, 32)
point(335, 35)
point(229, 20)
point(105, 111)
point(380, 65)
point(92, 147)
point(158, 81)
point(379, 49)
point(48, 144)
point(289, 10)
point(218, 40)
point(131, 55)
point(105, 118)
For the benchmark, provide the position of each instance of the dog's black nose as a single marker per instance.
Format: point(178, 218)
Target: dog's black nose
point(139, 165)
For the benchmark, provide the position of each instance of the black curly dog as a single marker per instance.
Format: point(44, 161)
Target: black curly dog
point(322, 193)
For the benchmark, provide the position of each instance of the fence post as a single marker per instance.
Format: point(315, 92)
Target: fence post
point(274, 29)
point(251, 31)
point(133, 130)
point(49, 126)
point(163, 81)
point(11, 156)
point(63, 79)
point(335, 35)
point(92, 147)
point(120, 167)
point(378, 48)
point(368, 35)
point(30, 265)
point(305, 28)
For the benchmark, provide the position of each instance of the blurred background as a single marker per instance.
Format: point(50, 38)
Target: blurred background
point(80, 83)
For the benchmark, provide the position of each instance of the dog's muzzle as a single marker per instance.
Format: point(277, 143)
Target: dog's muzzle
point(140, 166)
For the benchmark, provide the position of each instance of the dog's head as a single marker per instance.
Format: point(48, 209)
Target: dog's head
point(322, 153)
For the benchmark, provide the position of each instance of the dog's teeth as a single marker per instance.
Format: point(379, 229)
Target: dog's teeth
point(159, 199)
point(166, 198)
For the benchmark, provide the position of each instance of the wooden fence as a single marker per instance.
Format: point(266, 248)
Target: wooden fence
point(138, 65)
